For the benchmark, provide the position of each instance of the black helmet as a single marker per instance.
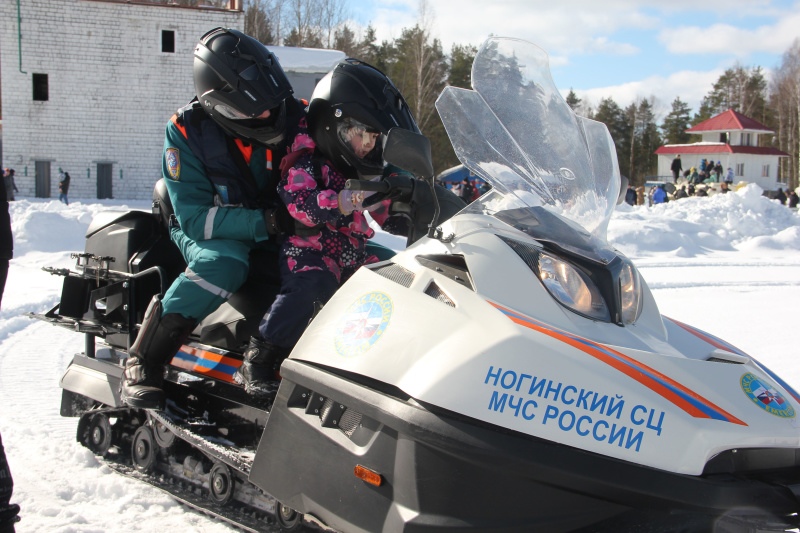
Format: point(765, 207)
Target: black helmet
point(356, 99)
point(237, 79)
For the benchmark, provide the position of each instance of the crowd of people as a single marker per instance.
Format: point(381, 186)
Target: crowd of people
point(658, 194)
point(707, 171)
point(470, 190)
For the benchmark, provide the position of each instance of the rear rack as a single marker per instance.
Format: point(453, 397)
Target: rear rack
point(98, 301)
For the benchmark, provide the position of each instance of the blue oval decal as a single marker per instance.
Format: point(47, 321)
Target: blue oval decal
point(762, 393)
point(363, 324)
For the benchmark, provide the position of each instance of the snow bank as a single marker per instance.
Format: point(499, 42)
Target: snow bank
point(742, 220)
point(51, 226)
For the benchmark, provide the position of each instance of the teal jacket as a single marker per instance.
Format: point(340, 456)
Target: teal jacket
point(201, 206)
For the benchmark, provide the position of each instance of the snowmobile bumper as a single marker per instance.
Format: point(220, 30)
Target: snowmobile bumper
point(95, 378)
point(443, 472)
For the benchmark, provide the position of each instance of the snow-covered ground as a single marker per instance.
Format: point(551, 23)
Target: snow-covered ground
point(728, 264)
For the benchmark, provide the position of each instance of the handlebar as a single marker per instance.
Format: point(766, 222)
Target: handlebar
point(365, 185)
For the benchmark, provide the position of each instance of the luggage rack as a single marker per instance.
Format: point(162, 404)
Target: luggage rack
point(98, 301)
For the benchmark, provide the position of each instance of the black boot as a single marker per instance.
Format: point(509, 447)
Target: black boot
point(158, 340)
point(259, 371)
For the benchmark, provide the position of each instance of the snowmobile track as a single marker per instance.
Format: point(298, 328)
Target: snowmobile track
point(239, 518)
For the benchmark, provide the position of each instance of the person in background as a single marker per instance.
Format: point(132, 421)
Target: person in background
point(693, 176)
point(780, 196)
point(217, 165)
point(792, 199)
point(681, 193)
point(475, 192)
point(659, 195)
point(718, 169)
point(466, 190)
point(351, 111)
point(8, 511)
point(729, 177)
point(63, 187)
point(677, 167)
point(723, 188)
point(640, 195)
point(10, 184)
point(630, 195)
point(701, 191)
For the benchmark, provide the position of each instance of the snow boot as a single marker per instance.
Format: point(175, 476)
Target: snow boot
point(158, 340)
point(260, 370)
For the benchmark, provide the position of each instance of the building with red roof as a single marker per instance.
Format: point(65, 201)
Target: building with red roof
point(732, 139)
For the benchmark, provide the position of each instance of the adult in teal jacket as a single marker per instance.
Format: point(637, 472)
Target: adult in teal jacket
point(219, 153)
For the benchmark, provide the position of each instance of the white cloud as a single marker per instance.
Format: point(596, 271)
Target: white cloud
point(576, 27)
point(690, 86)
point(730, 40)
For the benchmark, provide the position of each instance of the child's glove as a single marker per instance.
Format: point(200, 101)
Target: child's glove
point(350, 201)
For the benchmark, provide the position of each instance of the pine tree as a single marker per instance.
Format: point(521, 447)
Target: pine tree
point(344, 39)
point(573, 101)
point(609, 113)
point(461, 58)
point(257, 24)
point(677, 122)
point(741, 89)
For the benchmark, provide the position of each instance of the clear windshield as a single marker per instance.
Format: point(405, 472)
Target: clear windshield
point(516, 131)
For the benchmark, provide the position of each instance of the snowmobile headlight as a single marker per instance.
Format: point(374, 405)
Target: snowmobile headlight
point(572, 288)
point(630, 292)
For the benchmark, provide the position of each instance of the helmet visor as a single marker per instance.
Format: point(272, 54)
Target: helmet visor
point(229, 112)
point(365, 142)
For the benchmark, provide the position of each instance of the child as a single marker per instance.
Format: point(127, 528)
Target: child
point(352, 109)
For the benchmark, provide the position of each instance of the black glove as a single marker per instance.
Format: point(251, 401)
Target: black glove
point(401, 188)
point(279, 221)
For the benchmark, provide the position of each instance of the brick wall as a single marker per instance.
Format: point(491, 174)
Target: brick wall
point(111, 88)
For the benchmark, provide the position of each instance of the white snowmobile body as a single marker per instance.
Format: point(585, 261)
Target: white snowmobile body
point(514, 373)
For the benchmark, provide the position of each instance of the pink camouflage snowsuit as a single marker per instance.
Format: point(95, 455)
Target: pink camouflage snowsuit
point(313, 267)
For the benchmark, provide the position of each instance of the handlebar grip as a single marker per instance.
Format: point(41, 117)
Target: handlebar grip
point(365, 185)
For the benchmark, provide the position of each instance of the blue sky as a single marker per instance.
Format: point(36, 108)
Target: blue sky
point(626, 49)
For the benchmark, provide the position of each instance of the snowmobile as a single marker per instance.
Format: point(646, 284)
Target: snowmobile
point(508, 371)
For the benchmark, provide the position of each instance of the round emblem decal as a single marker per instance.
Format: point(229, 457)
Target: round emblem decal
point(766, 396)
point(363, 324)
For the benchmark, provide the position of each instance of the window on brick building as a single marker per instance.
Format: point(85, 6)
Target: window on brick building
point(168, 41)
point(740, 169)
point(40, 88)
point(765, 171)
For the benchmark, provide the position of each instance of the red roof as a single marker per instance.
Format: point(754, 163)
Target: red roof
point(719, 149)
point(729, 120)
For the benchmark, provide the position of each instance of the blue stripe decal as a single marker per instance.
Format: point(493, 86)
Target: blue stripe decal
point(782, 383)
point(205, 363)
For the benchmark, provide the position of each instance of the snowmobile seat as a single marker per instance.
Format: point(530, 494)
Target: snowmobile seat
point(236, 320)
point(162, 205)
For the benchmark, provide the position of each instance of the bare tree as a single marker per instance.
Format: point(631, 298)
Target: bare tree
point(785, 100)
point(426, 65)
point(313, 22)
point(333, 14)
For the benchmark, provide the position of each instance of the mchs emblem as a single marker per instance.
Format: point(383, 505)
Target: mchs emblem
point(363, 324)
point(766, 396)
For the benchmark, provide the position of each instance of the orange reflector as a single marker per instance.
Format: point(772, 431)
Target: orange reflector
point(371, 477)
